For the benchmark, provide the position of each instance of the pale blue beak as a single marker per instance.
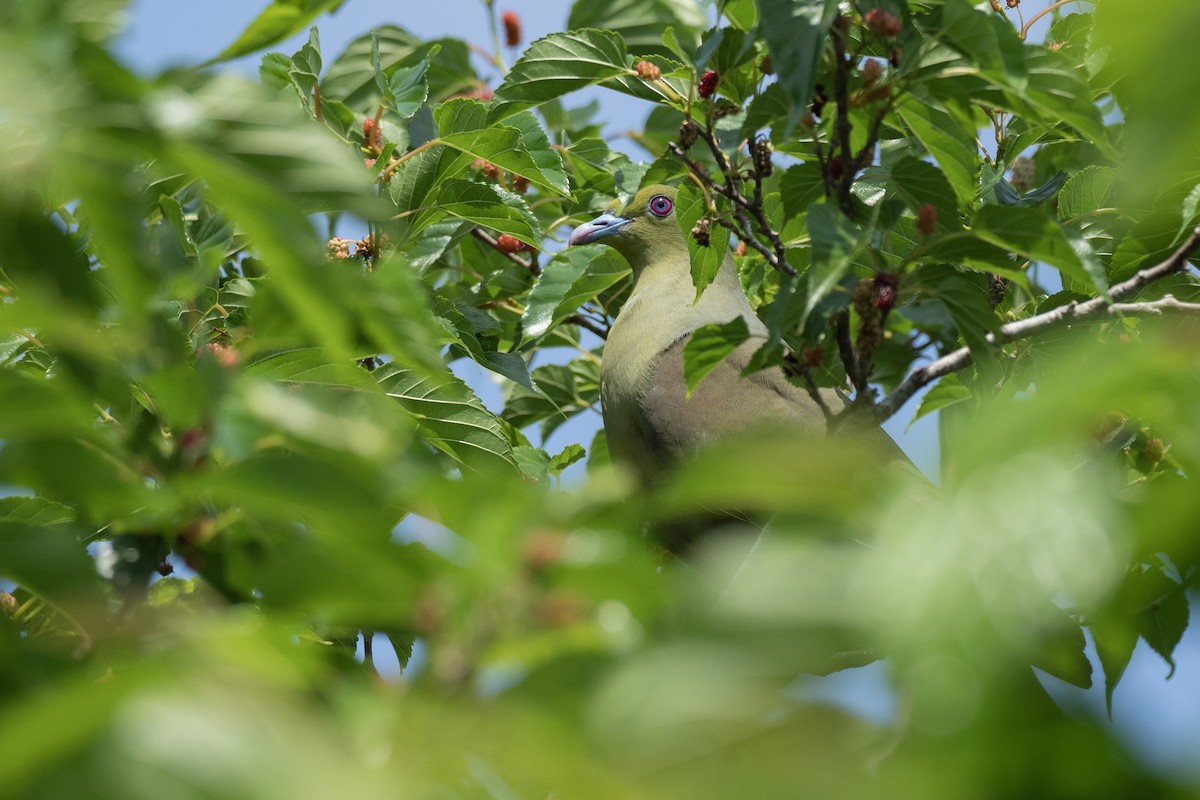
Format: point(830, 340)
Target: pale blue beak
point(604, 225)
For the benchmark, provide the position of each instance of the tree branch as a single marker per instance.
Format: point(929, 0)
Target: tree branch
point(484, 236)
point(1093, 310)
point(584, 322)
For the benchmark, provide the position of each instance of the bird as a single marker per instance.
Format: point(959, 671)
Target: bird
point(650, 422)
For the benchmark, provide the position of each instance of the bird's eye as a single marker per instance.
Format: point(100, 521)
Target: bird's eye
point(660, 205)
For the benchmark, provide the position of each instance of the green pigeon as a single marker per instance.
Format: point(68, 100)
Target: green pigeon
point(649, 420)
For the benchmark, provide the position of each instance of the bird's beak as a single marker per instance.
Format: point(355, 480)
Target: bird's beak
point(604, 225)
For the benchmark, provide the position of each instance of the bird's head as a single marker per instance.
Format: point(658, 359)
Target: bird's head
point(644, 231)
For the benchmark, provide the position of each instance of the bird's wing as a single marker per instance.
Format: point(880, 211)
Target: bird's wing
point(723, 403)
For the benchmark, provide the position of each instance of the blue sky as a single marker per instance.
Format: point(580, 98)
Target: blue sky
point(1157, 719)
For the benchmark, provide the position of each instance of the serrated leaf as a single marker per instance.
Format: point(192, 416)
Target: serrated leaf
point(34, 511)
point(558, 64)
point(406, 89)
point(964, 294)
point(801, 186)
point(708, 347)
point(449, 415)
point(568, 456)
point(490, 206)
point(550, 290)
point(1085, 191)
point(505, 146)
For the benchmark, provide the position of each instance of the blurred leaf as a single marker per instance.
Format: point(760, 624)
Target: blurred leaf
point(946, 392)
point(277, 22)
point(41, 550)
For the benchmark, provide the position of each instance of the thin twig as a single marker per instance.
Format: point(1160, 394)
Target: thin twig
point(1040, 14)
point(1095, 309)
point(796, 367)
point(485, 237)
point(584, 322)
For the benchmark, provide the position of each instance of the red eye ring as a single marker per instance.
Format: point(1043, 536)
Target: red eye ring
point(660, 205)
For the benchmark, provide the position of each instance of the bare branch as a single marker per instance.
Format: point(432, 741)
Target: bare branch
point(846, 350)
point(1093, 310)
point(584, 322)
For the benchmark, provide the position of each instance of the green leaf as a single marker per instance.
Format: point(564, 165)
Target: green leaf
point(449, 415)
point(34, 511)
point(948, 391)
point(565, 390)
point(42, 551)
point(1029, 232)
point(988, 40)
point(351, 77)
point(834, 242)
point(641, 22)
point(965, 296)
point(1085, 192)
point(569, 455)
point(742, 14)
point(573, 277)
point(490, 206)
point(1165, 619)
point(543, 153)
point(690, 207)
point(795, 32)
point(506, 146)
point(1191, 204)
point(801, 186)
point(406, 90)
point(275, 23)
point(920, 182)
point(708, 347)
point(948, 141)
point(558, 64)
point(534, 462)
